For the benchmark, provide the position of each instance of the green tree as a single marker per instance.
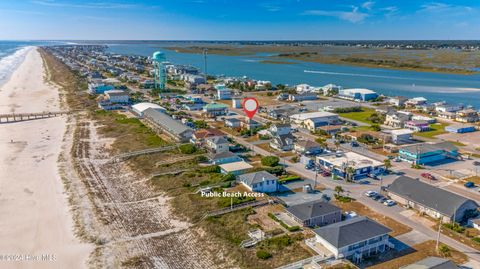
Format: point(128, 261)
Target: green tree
point(387, 163)
point(270, 161)
point(339, 189)
point(264, 255)
point(187, 148)
point(200, 124)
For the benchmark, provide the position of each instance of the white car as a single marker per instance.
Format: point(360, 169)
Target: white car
point(371, 193)
point(389, 203)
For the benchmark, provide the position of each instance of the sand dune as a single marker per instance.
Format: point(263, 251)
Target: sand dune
point(34, 211)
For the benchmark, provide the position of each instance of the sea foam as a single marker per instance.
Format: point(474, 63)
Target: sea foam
point(9, 63)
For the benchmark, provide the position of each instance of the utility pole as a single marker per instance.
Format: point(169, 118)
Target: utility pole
point(438, 235)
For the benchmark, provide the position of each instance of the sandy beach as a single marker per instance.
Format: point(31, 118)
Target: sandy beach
point(35, 218)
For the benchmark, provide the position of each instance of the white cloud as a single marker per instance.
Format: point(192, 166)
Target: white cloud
point(353, 16)
point(442, 7)
point(368, 5)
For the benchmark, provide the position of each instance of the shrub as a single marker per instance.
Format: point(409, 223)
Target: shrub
point(288, 178)
point(201, 159)
point(270, 161)
point(476, 240)
point(264, 255)
point(210, 169)
point(228, 177)
point(348, 109)
point(454, 227)
point(343, 199)
point(187, 149)
point(277, 170)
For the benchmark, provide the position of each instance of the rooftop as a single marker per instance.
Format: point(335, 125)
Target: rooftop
point(256, 177)
point(310, 115)
point(432, 263)
point(312, 209)
point(351, 159)
point(236, 166)
point(432, 197)
point(352, 231)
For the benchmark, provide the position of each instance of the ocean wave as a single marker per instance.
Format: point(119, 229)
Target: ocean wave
point(9, 63)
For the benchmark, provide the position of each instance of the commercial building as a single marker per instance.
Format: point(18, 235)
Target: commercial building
point(261, 181)
point(460, 129)
point(325, 117)
point(315, 213)
point(351, 165)
point(428, 153)
point(355, 238)
point(162, 122)
point(435, 202)
point(140, 108)
point(358, 94)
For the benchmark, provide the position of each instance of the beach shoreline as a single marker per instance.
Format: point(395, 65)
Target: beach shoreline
point(38, 222)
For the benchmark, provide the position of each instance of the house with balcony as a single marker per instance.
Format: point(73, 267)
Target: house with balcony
point(417, 125)
point(466, 115)
point(215, 110)
point(354, 239)
point(396, 119)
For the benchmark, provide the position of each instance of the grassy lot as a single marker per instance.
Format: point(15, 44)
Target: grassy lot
point(466, 237)
point(396, 227)
point(417, 253)
point(457, 143)
point(359, 116)
point(435, 129)
point(130, 133)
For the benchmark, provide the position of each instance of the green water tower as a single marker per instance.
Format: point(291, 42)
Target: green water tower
point(158, 59)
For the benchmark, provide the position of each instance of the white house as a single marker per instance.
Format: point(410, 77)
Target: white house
point(279, 129)
point(354, 239)
point(217, 144)
point(261, 181)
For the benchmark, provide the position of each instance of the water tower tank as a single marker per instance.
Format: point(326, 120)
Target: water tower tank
point(158, 56)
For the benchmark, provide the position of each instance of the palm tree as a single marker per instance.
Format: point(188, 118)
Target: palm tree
point(349, 171)
point(339, 189)
point(388, 164)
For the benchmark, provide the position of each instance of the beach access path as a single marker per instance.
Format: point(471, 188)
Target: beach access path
point(34, 211)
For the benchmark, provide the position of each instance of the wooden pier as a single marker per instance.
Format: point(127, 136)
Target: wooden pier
point(16, 117)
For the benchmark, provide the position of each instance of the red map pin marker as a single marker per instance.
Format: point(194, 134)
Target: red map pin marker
point(250, 106)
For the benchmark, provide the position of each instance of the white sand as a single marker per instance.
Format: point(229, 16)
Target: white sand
point(34, 213)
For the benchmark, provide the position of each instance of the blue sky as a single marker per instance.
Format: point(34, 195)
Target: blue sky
point(239, 20)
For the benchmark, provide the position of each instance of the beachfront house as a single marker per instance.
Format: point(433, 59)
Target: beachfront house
point(354, 239)
point(261, 181)
point(435, 202)
point(315, 213)
point(224, 157)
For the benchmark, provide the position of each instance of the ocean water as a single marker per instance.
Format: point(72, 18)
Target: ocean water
point(12, 54)
point(433, 86)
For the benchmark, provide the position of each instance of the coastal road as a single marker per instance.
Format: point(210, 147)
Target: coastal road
point(357, 191)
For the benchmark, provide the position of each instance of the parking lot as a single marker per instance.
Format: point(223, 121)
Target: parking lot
point(469, 139)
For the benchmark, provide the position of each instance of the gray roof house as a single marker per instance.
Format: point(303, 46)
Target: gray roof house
point(435, 202)
point(315, 213)
point(162, 122)
point(432, 263)
point(354, 238)
point(224, 157)
point(261, 181)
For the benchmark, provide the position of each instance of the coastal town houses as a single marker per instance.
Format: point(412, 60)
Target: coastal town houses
point(417, 125)
point(261, 181)
point(307, 147)
point(279, 129)
point(397, 100)
point(354, 239)
point(396, 119)
point(435, 202)
point(282, 142)
point(223, 93)
point(199, 137)
point(217, 144)
point(428, 153)
point(467, 115)
point(224, 157)
point(163, 123)
point(215, 109)
point(315, 213)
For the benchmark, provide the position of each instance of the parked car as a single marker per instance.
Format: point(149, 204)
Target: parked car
point(382, 200)
point(389, 203)
point(370, 193)
point(326, 174)
point(428, 176)
point(377, 197)
point(354, 144)
point(469, 184)
point(476, 163)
